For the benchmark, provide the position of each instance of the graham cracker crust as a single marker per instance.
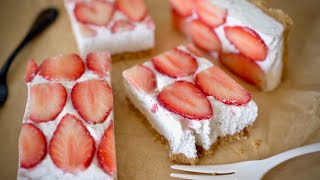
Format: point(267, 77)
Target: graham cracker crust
point(131, 55)
point(181, 158)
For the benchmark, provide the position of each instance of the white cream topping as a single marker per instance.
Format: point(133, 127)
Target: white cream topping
point(182, 133)
point(46, 169)
point(141, 38)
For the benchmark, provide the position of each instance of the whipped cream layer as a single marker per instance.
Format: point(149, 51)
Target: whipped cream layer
point(46, 169)
point(138, 39)
point(184, 134)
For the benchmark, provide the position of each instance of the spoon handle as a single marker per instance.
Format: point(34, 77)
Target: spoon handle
point(44, 19)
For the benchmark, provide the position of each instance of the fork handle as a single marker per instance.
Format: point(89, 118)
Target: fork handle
point(277, 159)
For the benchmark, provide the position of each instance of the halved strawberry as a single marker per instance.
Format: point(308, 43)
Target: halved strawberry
point(46, 102)
point(95, 12)
point(211, 14)
point(93, 100)
point(87, 31)
point(135, 9)
point(72, 147)
point(31, 71)
point(202, 36)
point(183, 7)
point(107, 152)
point(194, 50)
point(122, 25)
point(32, 146)
point(63, 67)
point(99, 63)
point(245, 68)
point(247, 41)
point(185, 99)
point(175, 63)
point(141, 77)
point(214, 82)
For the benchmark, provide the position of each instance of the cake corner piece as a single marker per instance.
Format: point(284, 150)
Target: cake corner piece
point(189, 102)
point(65, 133)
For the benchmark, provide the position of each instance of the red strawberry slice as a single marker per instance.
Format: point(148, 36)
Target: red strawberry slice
point(175, 63)
point(32, 146)
point(194, 50)
point(46, 102)
point(247, 41)
point(211, 14)
point(63, 67)
point(122, 25)
point(99, 63)
point(72, 147)
point(141, 77)
point(214, 82)
point(203, 37)
point(106, 152)
point(136, 10)
point(93, 100)
point(87, 31)
point(183, 7)
point(95, 12)
point(245, 68)
point(185, 99)
point(31, 71)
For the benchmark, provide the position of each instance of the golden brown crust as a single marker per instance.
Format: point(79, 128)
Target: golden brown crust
point(286, 22)
point(131, 55)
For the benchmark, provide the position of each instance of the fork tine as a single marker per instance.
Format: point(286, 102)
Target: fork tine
point(203, 177)
point(211, 169)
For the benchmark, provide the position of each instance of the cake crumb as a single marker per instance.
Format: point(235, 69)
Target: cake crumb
point(257, 143)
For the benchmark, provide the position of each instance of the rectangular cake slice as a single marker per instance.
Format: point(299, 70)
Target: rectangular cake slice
point(117, 26)
point(189, 101)
point(249, 39)
point(67, 129)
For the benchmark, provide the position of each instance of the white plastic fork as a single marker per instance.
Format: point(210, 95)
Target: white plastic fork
point(242, 170)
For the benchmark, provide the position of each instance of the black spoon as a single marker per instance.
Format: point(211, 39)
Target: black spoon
point(44, 19)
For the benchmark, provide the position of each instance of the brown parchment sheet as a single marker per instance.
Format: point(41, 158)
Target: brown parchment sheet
point(289, 117)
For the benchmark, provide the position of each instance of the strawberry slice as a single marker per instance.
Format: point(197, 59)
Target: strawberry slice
point(87, 31)
point(46, 102)
point(247, 41)
point(183, 7)
point(194, 50)
point(203, 37)
point(211, 14)
point(185, 99)
point(245, 68)
point(71, 147)
point(214, 82)
point(106, 152)
point(93, 100)
point(122, 25)
point(99, 63)
point(63, 67)
point(175, 63)
point(32, 146)
point(31, 71)
point(136, 10)
point(95, 12)
point(141, 77)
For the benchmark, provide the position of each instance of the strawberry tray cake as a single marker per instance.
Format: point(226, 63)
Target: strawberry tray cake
point(192, 104)
point(117, 26)
point(67, 129)
point(248, 38)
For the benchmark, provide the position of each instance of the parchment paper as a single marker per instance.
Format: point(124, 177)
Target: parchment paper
point(288, 117)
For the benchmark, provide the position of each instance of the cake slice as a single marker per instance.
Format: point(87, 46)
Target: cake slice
point(119, 26)
point(190, 102)
point(67, 129)
point(248, 38)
